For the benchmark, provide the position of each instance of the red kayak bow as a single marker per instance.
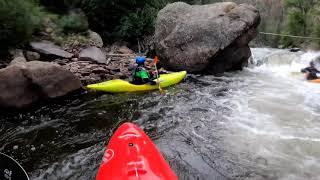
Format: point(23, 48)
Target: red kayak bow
point(131, 155)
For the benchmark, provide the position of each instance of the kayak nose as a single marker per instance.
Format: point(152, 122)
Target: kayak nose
point(132, 155)
point(128, 131)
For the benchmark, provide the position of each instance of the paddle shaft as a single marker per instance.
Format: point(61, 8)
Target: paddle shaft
point(157, 74)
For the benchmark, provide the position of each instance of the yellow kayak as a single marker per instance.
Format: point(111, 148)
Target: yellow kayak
point(120, 86)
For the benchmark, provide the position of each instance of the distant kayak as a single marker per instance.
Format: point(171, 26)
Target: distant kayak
point(315, 81)
point(121, 86)
point(131, 155)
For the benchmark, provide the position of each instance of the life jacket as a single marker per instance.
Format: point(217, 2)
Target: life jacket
point(140, 75)
point(141, 72)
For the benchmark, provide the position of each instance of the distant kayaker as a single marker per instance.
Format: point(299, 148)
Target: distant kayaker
point(311, 72)
point(140, 75)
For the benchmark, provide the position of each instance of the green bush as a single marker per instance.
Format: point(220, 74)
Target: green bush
point(122, 19)
point(59, 6)
point(135, 24)
point(74, 23)
point(18, 20)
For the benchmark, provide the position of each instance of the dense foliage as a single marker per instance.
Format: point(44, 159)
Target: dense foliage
point(302, 20)
point(73, 23)
point(18, 20)
point(131, 20)
point(122, 18)
point(60, 6)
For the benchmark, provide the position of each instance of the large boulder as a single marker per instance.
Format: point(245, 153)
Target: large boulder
point(205, 38)
point(92, 54)
point(25, 83)
point(49, 49)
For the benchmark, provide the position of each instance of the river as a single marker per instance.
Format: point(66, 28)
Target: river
point(259, 123)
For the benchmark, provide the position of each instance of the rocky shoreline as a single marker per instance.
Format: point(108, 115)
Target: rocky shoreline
point(91, 72)
point(45, 70)
point(219, 45)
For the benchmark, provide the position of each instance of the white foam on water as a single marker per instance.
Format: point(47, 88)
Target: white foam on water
point(277, 111)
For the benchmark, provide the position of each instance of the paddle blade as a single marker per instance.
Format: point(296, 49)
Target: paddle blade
point(155, 61)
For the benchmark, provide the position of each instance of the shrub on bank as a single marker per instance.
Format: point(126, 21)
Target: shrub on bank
point(122, 19)
point(59, 6)
point(73, 23)
point(18, 20)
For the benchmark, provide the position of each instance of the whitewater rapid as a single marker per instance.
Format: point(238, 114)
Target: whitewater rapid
point(276, 118)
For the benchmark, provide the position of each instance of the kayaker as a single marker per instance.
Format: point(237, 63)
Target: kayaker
point(311, 72)
point(140, 75)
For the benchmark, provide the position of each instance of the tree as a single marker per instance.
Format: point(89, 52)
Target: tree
point(298, 11)
point(298, 19)
point(122, 18)
point(60, 6)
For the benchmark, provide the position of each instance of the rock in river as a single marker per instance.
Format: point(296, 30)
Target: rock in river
point(205, 38)
point(26, 83)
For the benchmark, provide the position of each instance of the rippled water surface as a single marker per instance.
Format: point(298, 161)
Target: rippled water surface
point(260, 123)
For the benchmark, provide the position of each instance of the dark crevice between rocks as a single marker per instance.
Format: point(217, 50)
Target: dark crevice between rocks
point(33, 86)
point(234, 57)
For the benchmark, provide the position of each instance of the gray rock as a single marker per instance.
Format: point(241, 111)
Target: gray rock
point(205, 38)
point(18, 60)
point(48, 48)
point(16, 53)
point(124, 50)
point(95, 39)
point(24, 84)
point(99, 70)
point(295, 49)
point(32, 56)
point(92, 54)
point(18, 56)
point(74, 59)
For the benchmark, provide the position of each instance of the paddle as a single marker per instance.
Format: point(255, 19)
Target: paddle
point(155, 61)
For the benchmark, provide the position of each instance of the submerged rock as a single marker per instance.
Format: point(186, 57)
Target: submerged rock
point(26, 83)
point(205, 38)
point(49, 49)
point(92, 54)
point(295, 49)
